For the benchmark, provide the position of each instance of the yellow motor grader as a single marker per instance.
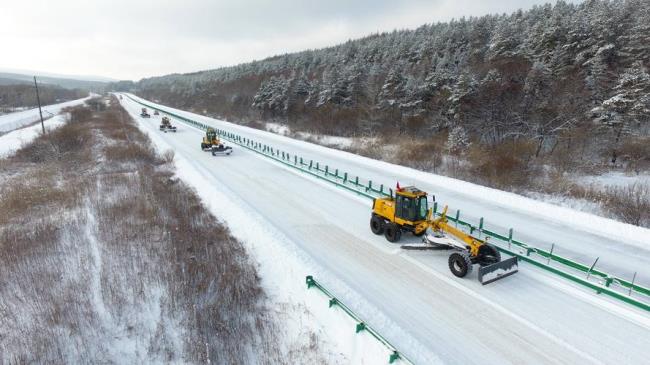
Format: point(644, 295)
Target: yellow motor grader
point(166, 125)
point(212, 143)
point(408, 211)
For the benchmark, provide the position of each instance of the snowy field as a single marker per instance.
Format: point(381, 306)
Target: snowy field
point(614, 179)
point(411, 297)
point(9, 122)
point(12, 141)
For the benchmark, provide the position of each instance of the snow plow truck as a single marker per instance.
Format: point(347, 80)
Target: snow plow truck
point(407, 211)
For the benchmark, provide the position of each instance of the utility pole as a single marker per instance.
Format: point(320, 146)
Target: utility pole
point(38, 98)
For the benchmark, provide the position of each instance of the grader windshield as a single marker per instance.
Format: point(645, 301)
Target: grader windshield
point(412, 208)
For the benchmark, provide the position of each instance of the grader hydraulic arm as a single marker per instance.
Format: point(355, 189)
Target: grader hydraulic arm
point(472, 250)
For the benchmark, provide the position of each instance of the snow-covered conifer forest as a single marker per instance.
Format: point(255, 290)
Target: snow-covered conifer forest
point(515, 101)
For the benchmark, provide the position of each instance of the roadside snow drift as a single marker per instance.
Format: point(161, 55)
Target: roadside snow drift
point(16, 120)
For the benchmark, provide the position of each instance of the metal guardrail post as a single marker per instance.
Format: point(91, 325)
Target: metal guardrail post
point(631, 286)
point(310, 281)
point(592, 267)
point(360, 325)
point(548, 262)
point(510, 238)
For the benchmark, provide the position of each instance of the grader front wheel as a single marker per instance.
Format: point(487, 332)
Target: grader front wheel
point(460, 264)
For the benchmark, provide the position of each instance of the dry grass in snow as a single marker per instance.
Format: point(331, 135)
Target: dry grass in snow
point(106, 257)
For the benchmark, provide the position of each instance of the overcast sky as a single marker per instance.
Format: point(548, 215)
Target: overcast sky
point(132, 39)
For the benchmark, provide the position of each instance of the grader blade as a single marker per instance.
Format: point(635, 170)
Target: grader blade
point(498, 271)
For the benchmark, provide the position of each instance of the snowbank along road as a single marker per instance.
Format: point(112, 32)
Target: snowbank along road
point(531, 317)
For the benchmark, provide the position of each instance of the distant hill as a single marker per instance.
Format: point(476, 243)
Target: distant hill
point(23, 95)
point(7, 78)
point(7, 81)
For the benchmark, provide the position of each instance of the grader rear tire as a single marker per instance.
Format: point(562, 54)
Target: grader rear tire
point(460, 263)
point(393, 232)
point(377, 224)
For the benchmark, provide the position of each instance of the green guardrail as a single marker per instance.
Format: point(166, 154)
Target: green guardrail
point(369, 190)
point(360, 324)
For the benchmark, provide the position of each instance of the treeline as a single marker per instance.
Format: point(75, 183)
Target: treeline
point(24, 95)
point(565, 79)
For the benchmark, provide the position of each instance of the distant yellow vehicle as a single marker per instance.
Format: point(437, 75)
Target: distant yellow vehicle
point(212, 143)
point(209, 139)
point(408, 211)
point(166, 125)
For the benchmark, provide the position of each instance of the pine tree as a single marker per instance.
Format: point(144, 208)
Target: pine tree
point(458, 140)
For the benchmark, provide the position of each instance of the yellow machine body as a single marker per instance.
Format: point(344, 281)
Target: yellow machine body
point(408, 210)
point(210, 138)
point(441, 224)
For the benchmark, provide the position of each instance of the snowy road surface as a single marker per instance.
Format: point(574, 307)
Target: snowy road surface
point(622, 249)
point(530, 318)
point(9, 122)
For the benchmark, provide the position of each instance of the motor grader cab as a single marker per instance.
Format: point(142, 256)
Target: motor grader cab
point(209, 139)
point(166, 125)
point(212, 143)
point(408, 211)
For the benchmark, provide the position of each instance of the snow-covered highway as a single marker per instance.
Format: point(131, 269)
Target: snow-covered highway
point(532, 317)
point(11, 121)
point(622, 249)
